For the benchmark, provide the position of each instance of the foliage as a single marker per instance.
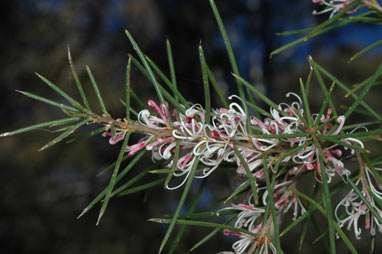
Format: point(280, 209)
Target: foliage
point(271, 151)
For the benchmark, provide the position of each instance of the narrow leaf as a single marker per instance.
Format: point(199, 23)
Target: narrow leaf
point(96, 90)
point(207, 96)
point(113, 178)
point(180, 204)
point(228, 47)
point(143, 59)
point(77, 81)
point(41, 125)
point(47, 101)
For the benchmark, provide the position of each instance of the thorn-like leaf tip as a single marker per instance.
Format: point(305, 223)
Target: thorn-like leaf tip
point(5, 134)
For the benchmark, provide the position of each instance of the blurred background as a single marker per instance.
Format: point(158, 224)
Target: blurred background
point(42, 193)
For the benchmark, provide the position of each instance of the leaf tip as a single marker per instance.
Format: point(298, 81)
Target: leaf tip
point(5, 134)
point(99, 218)
point(82, 213)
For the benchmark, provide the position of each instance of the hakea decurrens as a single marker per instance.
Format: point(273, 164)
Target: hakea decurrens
point(228, 128)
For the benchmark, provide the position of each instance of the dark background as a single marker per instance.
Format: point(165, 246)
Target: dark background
point(41, 193)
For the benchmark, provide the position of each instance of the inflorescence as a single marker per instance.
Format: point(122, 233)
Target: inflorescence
point(260, 142)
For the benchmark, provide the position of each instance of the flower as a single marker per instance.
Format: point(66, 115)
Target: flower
point(355, 209)
point(334, 6)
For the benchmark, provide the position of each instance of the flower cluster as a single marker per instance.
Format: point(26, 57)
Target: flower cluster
point(334, 6)
point(230, 131)
point(355, 208)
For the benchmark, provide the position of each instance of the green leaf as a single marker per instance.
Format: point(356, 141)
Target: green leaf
point(259, 94)
point(324, 105)
point(336, 140)
point(211, 234)
point(174, 163)
point(113, 178)
point(41, 125)
point(130, 108)
point(178, 95)
point(47, 101)
point(335, 225)
point(365, 50)
point(322, 85)
point(207, 96)
point(367, 203)
point(171, 66)
point(297, 31)
point(137, 99)
point(64, 135)
point(192, 209)
point(292, 135)
point(327, 199)
point(89, 134)
point(139, 188)
point(228, 47)
point(346, 89)
point(77, 81)
point(119, 177)
point(204, 215)
point(216, 87)
point(165, 93)
point(238, 190)
point(128, 90)
point(143, 59)
point(252, 179)
point(203, 224)
point(133, 180)
point(271, 200)
point(306, 103)
point(180, 204)
point(96, 90)
point(160, 171)
point(363, 93)
point(320, 29)
point(75, 103)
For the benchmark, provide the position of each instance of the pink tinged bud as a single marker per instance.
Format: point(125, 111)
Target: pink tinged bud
point(337, 152)
point(256, 144)
point(175, 112)
point(309, 165)
point(116, 139)
point(259, 123)
point(135, 148)
point(184, 160)
point(230, 232)
point(245, 206)
point(106, 133)
point(328, 156)
point(151, 103)
point(294, 140)
point(260, 174)
point(280, 202)
point(290, 111)
point(328, 114)
point(339, 169)
point(165, 110)
point(223, 111)
point(256, 229)
point(215, 134)
point(367, 221)
point(153, 144)
point(341, 122)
